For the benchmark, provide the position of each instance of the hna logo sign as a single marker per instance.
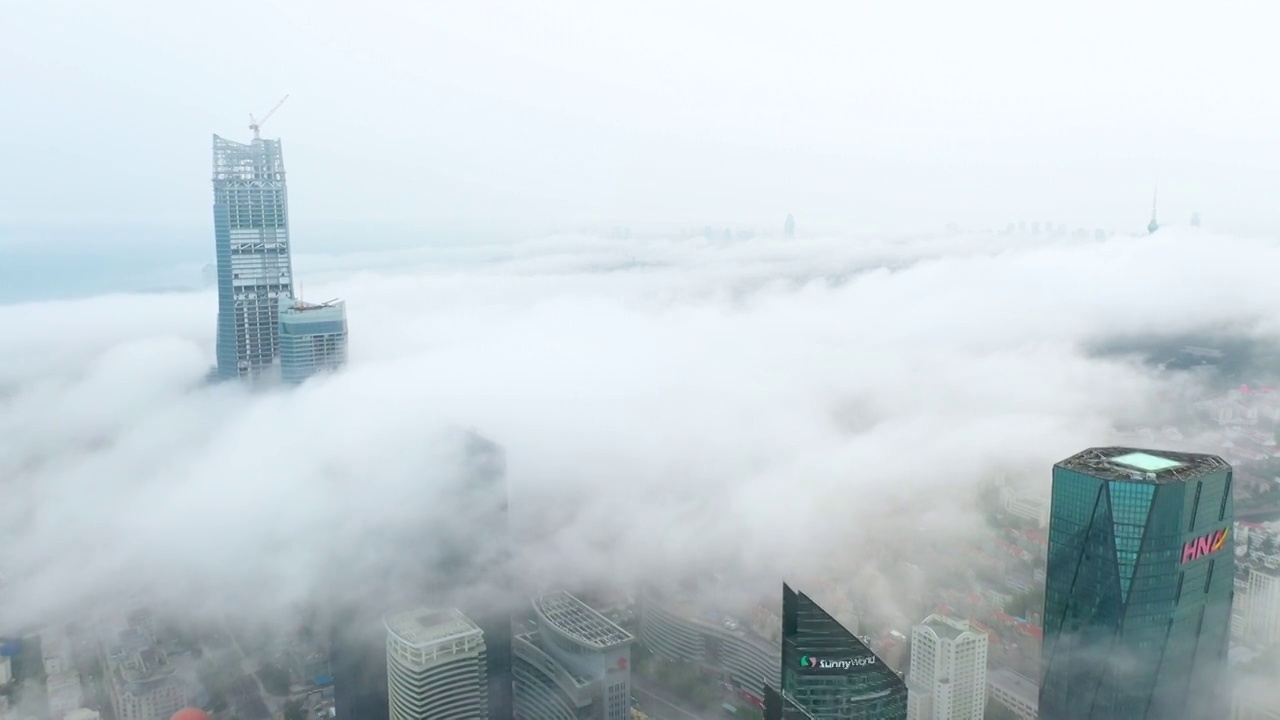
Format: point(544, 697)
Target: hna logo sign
point(1205, 545)
point(813, 663)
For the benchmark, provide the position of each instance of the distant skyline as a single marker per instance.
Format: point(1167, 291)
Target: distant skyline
point(487, 116)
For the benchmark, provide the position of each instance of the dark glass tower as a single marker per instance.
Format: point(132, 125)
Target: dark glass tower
point(465, 567)
point(828, 673)
point(1137, 610)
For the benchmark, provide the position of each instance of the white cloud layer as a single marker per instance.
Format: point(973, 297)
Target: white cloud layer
point(762, 407)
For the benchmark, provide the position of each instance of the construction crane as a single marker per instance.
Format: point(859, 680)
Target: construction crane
point(255, 125)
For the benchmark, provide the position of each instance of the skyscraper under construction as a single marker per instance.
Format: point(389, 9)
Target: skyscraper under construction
point(254, 268)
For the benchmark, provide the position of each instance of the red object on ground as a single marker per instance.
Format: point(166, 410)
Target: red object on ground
point(190, 714)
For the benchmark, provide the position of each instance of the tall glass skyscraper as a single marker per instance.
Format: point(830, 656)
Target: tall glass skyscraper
point(1137, 610)
point(463, 566)
point(251, 234)
point(828, 673)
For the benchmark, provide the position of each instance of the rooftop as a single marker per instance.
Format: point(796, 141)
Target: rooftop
point(1136, 464)
point(574, 618)
point(424, 626)
point(945, 627)
point(1020, 686)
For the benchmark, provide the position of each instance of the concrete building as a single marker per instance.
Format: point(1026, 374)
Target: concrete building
point(313, 338)
point(142, 682)
point(676, 632)
point(83, 714)
point(6, 670)
point(64, 694)
point(251, 242)
point(948, 676)
point(435, 666)
point(575, 666)
point(1262, 607)
point(1017, 693)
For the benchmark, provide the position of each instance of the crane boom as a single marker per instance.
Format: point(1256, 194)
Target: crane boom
point(255, 125)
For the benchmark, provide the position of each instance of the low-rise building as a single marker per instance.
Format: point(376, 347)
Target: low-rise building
point(142, 681)
point(1014, 691)
point(678, 633)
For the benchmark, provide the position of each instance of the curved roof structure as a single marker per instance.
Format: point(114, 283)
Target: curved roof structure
point(575, 620)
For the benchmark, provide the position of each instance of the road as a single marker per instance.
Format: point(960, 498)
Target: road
point(661, 705)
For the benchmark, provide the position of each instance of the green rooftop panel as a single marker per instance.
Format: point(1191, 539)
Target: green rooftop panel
point(1146, 462)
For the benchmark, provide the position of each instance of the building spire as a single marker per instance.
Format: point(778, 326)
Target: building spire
point(1153, 225)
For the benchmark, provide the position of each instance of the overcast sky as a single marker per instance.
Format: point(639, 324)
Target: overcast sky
point(451, 116)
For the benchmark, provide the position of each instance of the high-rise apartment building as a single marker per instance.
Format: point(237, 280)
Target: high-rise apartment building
point(575, 666)
point(1140, 578)
point(435, 666)
point(827, 672)
point(1262, 615)
point(254, 268)
point(948, 676)
point(313, 338)
point(142, 682)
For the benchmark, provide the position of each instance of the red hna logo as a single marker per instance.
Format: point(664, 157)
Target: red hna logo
point(1205, 545)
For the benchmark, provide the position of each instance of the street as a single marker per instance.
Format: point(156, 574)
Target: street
point(661, 705)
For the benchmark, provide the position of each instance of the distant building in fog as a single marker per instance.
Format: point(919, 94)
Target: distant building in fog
point(1153, 225)
point(1195, 219)
point(313, 338)
point(789, 227)
point(435, 666)
point(1262, 607)
point(209, 275)
point(948, 676)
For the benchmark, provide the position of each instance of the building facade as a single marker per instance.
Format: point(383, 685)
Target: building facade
point(948, 676)
point(744, 659)
point(254, 266)
point(575, 666)
point(1139, 586)
point(1262, 614)
point(828, 672)
point(435, 666)
point(313, 338)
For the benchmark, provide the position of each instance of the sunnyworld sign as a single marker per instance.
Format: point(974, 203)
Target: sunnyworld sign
point(810, 662)
point(1204, 545)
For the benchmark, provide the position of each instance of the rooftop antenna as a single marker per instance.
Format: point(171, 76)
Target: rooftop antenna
point(1153, 225)
point(255, 125)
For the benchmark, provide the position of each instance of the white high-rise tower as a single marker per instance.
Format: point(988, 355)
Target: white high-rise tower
point(435, 667)
point(948, 677)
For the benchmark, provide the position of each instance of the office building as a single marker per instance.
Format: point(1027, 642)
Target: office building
point(6, 670)
point(467, 569)
point(254, 268)
point(435, 666)
point(575, 666)
point(1153, 225)
point(1262, 613)
point(1139, 585)
point(724, 645)
point(828, 672)
point(313, 338)
point(789, 227)
point(948, 676)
